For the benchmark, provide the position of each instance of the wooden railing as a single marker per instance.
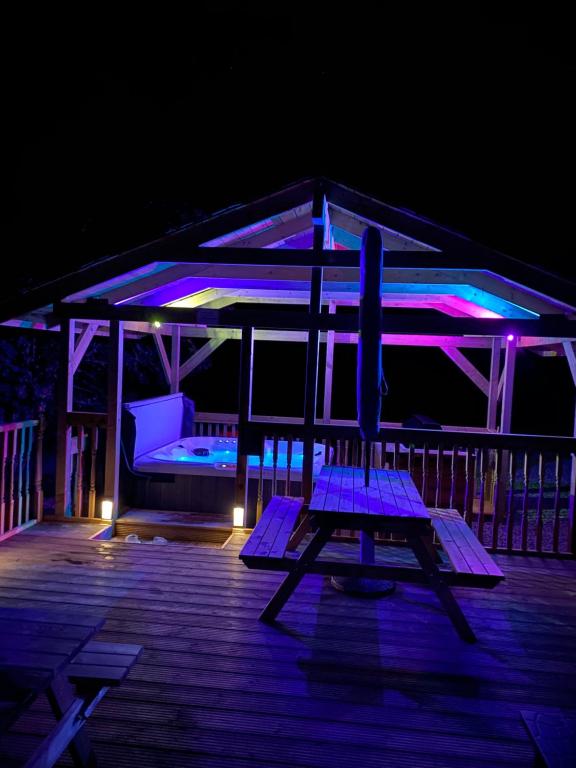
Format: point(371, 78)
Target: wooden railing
point(21, 493)
point(86, 466)
point(516, 491)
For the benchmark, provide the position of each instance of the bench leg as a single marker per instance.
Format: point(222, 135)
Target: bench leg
point(60, 696)
point(295, 576)
point(449, 603)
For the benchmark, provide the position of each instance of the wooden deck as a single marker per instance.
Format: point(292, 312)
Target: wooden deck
point(340, 681)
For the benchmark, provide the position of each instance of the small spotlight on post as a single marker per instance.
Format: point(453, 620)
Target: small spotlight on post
point(238, 517)
point(107, 508)
point(510, 337)
point(157, 324)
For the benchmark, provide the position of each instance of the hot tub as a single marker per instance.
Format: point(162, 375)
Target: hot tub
point(216, 457)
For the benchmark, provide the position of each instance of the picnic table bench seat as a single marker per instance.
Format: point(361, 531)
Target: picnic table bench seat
point(471, 563)
point(74, 675)
point(102, 664)
point(269, 539)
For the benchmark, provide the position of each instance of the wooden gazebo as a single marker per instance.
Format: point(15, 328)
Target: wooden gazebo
point(301, 246)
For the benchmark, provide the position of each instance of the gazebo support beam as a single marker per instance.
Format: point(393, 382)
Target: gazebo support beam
point(508, 385)
point(329, 373)
point(65, 399)
point(159, 342)
point(319, 213)
point(492, 415)
point(571, 358)
point(199, 356)
point(175, 360)
point(244, 414)
point(467, 367)
point(114, 413)
point(83, 343)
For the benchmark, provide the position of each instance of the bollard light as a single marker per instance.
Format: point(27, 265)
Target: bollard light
point(238, 517)
point(107, 508)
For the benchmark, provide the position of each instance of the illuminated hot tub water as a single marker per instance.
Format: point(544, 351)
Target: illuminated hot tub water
point(220, 453)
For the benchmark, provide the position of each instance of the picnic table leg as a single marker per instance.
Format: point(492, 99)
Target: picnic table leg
point(60, 696)
point(295, 576)
point(428, 542)
point(301, 531)
point(449, 603)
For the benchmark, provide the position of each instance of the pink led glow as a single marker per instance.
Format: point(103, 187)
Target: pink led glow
point(510, 337)
point(468, 307)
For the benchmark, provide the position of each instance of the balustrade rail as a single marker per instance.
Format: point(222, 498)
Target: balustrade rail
point(21, 494)
point(515, 491)
point(86, 464)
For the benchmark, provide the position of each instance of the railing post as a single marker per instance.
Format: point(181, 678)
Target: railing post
point(39, 469)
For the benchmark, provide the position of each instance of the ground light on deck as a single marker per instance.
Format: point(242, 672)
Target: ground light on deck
point(238, 517)
point(107, 509)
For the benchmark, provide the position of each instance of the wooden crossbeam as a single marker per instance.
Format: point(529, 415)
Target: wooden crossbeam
point(474, 342)
point(508, 386)
point(198, 357)
point(82, 345)
point(571, 357)
point(467, 367)
point(552, 326)
point(159, 341)
point(492, 415)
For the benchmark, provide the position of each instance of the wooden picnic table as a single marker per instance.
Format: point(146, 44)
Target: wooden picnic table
point(389, 504)
point(38, 651)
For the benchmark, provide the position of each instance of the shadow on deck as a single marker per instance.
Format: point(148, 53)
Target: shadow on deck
point(339, 681)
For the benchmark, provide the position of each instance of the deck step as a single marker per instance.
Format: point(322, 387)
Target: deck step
point(174, 526)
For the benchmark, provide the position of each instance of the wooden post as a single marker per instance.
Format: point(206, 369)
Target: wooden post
point(319, 215)
point(244, 414)
point(39, 469)
point(65, 390)
point(508, 387)
point(498, 503)
point(114, 413)
point(572, 499)
point(4, 462)
point(492, 415)
point(571, 359)
point(175, 360)
point(327, 410)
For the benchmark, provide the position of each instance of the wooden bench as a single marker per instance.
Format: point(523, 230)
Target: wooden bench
point(101, 665)
point(472, 566)
point(269, 539)
point(54, 654)
point(554, 736)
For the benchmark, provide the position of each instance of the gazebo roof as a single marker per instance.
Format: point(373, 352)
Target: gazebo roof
point(262, 252)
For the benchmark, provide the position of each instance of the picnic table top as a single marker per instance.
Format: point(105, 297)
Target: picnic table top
point(391, 494)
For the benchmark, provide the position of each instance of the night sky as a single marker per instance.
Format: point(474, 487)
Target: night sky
point(124, 128)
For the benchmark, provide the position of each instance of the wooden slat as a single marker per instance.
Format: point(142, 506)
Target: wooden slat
point(283, 537)
point(271, 535)
point(464, 551)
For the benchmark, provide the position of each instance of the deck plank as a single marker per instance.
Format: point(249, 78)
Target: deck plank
point(339, 682)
